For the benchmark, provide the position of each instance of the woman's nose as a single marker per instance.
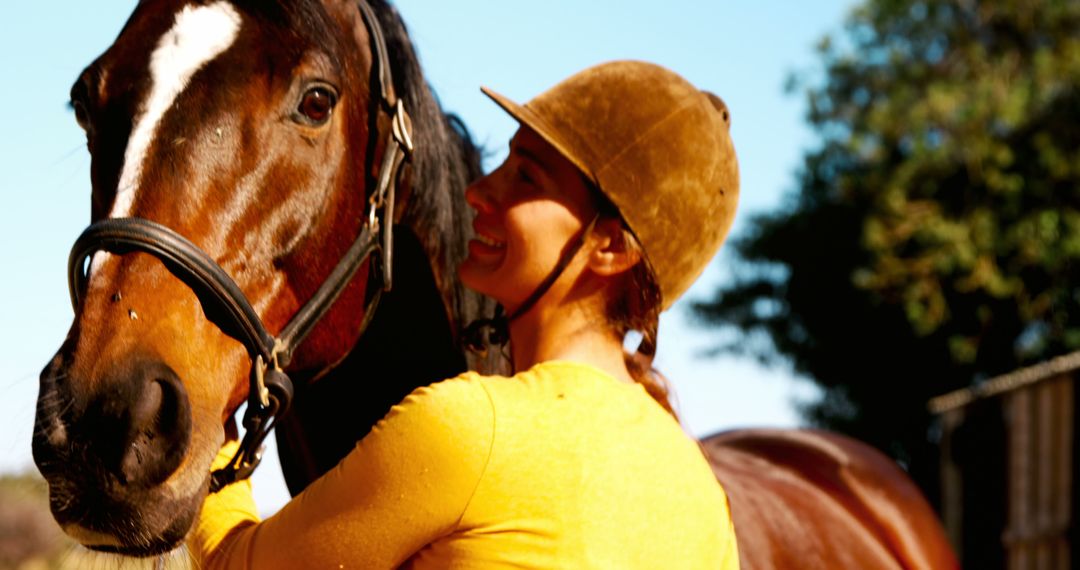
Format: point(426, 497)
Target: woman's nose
point(478, 195)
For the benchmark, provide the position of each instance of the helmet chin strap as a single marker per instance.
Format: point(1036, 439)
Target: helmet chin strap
point(495, 331)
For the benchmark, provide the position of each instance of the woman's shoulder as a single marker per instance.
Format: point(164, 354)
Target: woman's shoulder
point(461, 403)
point(554, 372)
point(475, 397)
point(465, 385)
point(574, 393)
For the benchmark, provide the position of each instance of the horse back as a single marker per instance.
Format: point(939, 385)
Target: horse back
point(812, 499)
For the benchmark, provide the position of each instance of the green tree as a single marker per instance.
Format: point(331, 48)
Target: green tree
point(933, 239)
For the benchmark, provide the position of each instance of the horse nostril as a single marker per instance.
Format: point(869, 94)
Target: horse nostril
point(159, 429)
point(147, 407)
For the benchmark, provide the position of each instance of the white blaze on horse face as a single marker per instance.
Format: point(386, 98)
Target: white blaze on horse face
point(200, 34)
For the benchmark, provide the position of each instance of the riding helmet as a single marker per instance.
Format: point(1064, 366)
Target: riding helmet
point(657, 147)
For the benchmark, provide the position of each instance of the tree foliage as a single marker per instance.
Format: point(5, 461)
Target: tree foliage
point(933, 239)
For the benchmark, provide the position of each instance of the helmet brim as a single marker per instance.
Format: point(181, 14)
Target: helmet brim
point(526, 117)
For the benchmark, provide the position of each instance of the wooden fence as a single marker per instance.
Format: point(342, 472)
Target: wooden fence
point(1009, 463)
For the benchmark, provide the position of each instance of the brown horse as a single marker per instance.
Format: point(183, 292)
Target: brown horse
point(254, 130)
point(812, 499)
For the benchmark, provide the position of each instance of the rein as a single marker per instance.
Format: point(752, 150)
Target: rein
point(224, 303)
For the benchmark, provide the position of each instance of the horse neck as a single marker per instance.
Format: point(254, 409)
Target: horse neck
point(412, 340)
point(445, 161)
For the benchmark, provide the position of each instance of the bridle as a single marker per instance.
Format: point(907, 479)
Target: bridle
point(225, 304)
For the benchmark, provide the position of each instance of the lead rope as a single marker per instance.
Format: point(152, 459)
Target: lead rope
point(483, 333)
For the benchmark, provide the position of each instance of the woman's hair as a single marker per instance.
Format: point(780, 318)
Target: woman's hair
point(637, 309)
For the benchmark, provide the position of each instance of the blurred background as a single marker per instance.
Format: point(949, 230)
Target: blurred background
point(909, 227)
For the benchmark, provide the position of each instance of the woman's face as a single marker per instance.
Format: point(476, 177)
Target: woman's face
point(527, 210)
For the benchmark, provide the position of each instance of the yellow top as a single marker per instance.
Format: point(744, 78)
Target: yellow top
point(561, 466)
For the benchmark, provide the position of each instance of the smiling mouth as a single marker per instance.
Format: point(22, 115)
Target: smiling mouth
point(489, 241)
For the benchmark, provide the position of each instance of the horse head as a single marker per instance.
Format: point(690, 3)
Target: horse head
point(252, 130)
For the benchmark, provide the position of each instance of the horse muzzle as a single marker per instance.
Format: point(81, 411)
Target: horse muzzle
point(110, 455)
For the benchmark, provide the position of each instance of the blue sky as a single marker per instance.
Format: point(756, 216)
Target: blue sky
point(742, 51)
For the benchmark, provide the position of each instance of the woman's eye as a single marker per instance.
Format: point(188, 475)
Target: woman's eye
point(524, 176)
point(317, 105)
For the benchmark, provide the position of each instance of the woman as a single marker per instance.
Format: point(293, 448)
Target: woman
point(619, 187)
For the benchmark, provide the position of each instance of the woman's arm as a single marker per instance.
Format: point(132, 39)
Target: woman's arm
point(406, 484)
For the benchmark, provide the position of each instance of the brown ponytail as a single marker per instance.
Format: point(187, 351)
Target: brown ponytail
point(637, 308)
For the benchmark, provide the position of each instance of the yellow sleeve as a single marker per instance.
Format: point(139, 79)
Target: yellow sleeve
point(731, 544)
point(405, 484)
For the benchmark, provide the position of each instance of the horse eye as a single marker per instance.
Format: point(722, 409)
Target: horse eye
point(317, 105)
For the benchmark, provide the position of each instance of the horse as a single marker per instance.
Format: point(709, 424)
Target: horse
point(240, 161)
point(236, 150)
point(803, 498)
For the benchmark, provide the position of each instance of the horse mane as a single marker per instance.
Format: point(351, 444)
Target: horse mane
point(444, 162)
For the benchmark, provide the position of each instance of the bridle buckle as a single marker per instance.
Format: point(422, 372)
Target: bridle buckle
point(402, 128)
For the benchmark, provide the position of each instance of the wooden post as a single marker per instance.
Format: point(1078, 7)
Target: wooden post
point(1040, 420)
point(1018, 530)
point(952, 482)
